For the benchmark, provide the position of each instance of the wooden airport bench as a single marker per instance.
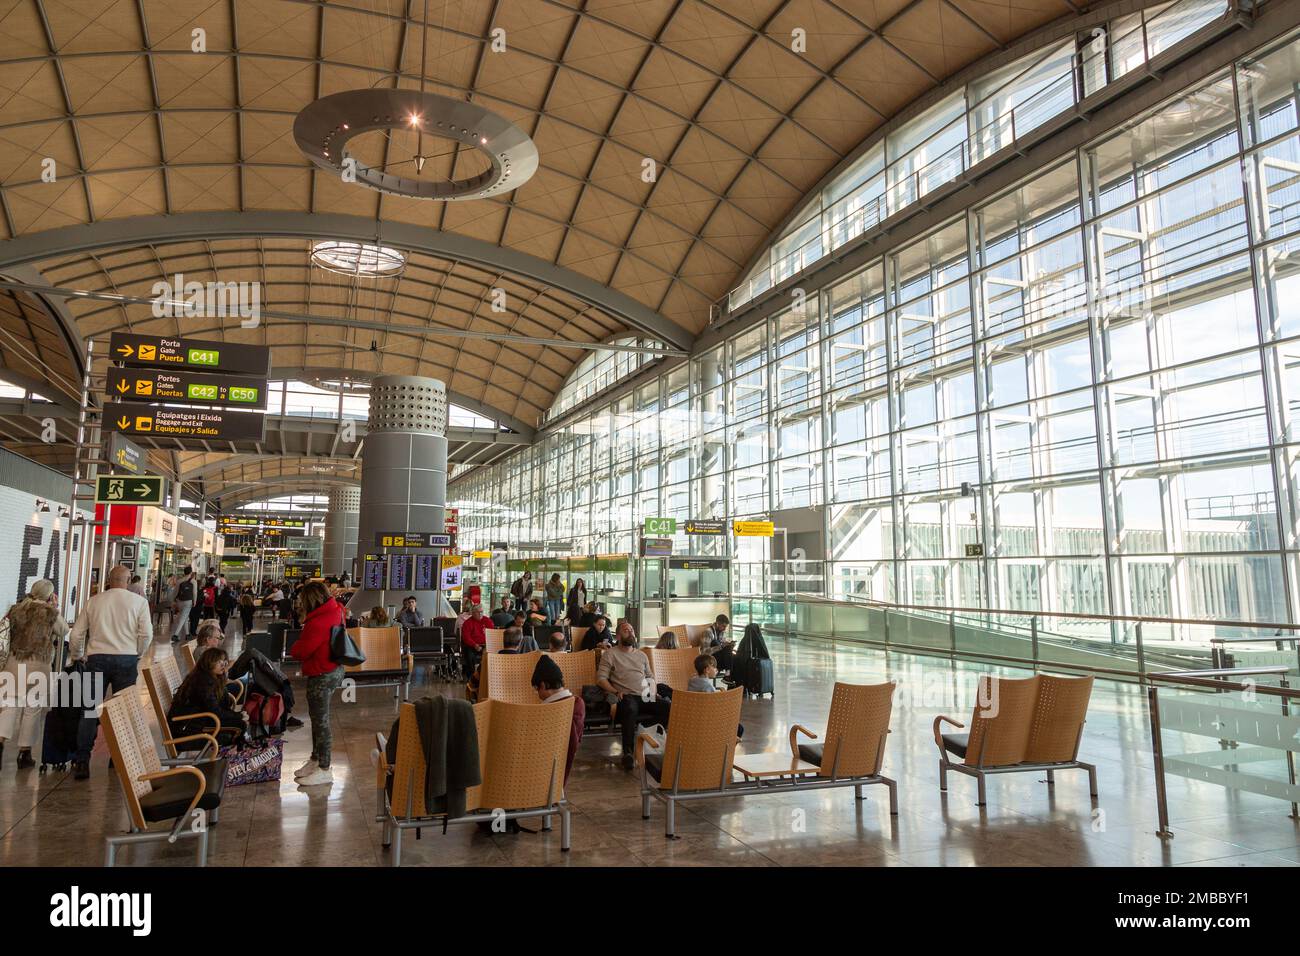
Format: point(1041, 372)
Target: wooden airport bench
point(698, 759)
point(1029, 725)
point(522, 753)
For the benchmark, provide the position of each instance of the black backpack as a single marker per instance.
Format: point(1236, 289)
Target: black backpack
point(186, 590)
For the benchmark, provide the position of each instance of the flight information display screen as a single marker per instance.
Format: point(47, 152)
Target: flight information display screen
point(399, 572)
point(375, 570)
point(424, 569)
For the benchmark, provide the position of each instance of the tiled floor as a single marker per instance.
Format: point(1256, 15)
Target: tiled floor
point(54, 820)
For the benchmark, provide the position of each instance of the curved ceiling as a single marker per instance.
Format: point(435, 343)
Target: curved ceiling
point(144, 131)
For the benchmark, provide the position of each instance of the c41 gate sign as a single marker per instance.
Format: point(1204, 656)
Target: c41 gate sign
point(191, 388)
point(160, 351)
point(129, 490)
point(205, 424)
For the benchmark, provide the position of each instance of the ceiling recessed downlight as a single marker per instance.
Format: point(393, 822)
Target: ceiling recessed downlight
point(354, 259)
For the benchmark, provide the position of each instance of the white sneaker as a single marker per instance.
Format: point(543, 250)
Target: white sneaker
point(306, 769)
point(317, 778)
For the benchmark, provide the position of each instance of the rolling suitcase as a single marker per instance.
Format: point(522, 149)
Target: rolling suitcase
point(59, 740)
point(752, 667)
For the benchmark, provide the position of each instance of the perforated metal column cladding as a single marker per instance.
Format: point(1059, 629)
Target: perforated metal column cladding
point(341, 530)
point(403, 472)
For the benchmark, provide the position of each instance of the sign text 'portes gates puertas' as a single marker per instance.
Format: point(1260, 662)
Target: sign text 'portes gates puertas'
point(209, 424)
point(160, 351)
point(191, 388)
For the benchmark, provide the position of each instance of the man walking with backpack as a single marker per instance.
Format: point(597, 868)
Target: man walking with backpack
point(182, 604)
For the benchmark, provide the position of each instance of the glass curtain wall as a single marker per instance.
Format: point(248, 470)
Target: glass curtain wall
point(1079, 396)
point(968, 127)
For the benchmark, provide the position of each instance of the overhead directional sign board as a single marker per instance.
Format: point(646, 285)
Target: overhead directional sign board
point(705, 526)
point(160, 351)
point(192, 388)
point(125, 454)
point(411, 539)
point(754, 529)
point(207, 424)
point(129, 490)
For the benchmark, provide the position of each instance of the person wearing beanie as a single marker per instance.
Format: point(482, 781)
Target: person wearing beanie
point(548, 681)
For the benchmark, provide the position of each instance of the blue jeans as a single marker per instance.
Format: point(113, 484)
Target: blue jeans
point(555, 609)
point(119, 670)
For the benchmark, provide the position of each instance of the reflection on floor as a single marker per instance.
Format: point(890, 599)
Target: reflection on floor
point(54, 820)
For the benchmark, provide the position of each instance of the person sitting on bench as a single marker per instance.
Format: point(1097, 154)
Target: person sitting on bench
point(548, 681)
point(512, 639)
point(598, 635)
point(203, 692)
point(706, 669)
point(558, 642)
point(624, 675)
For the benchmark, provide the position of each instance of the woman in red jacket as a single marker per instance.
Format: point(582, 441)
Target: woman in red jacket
point(320, 614)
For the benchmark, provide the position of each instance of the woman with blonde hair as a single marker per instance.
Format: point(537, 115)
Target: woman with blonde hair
point(35, 627)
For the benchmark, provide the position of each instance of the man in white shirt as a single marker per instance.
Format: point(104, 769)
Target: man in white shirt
point(112, 632)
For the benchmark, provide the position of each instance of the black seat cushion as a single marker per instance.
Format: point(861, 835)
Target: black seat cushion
point(654, 765)
point(399, 673)
point(812, 753)
point(956, 744)
point(171, 796)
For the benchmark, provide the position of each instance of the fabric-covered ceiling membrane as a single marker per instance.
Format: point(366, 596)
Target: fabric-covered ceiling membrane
point(707, 94)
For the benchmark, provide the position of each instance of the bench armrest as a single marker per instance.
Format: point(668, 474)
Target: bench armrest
point(795, 731)
point(210, 738)
point(642, 739)
point(208, 715)
point(198, 794)
point(938, 733)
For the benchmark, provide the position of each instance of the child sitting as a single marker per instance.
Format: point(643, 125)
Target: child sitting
point(706, 669)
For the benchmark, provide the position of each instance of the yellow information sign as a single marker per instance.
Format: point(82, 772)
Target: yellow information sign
point(482, 555)
point(754, 529)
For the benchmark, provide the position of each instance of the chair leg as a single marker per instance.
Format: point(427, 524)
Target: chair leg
point(202, 852)
point(381, 809)
point(388, 833)
point(943, 776)
point(1051, 778)
point(1092, 778)
point(566, 829)
point(981, 801)
point(857, 793)
point(893, 797)
point(546, 822)
point(670, 820)
point(397, 846)
point(110, 852)
point(645, 804)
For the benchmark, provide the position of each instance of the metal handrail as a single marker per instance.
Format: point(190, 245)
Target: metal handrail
point(1073, 615)
point(1213, 680)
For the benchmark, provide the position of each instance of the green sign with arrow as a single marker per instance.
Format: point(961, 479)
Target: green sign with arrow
point(132, 490)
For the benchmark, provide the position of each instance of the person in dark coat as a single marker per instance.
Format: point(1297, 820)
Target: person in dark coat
point(204, 692)
point(449, 739)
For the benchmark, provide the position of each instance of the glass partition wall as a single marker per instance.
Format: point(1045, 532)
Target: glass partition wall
point(1077, 397)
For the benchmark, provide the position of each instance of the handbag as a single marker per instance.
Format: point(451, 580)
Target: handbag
point(344, 650)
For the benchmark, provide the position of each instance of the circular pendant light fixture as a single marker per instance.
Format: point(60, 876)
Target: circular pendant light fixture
point(361, 259)
point(323, 129)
